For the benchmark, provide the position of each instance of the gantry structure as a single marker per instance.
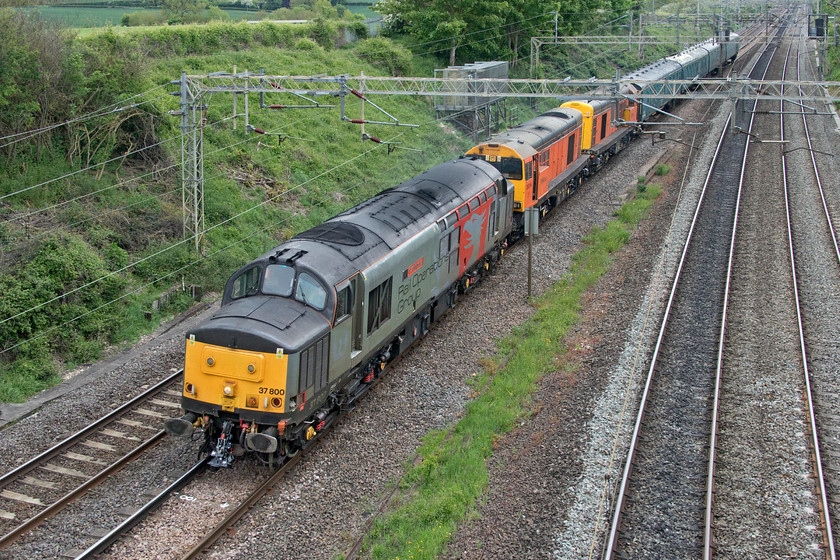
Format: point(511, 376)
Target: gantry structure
point(196, 89)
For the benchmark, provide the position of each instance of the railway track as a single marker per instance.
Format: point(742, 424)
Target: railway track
point(815, 273)
point(208, 539)
point(763, 501)
point(43, 486)
point(662, 502)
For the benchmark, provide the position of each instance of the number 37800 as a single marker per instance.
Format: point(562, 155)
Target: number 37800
point(269, 391)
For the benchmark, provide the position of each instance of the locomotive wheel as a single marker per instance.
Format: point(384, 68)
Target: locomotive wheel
point(291, 449)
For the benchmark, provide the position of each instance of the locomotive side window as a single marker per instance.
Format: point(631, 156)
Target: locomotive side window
point(379, 306)
point(343, 304)
point(571, 157)
point(246, 284)
point(603, 125)
point(527, 172)
point(491, 231)
point(310, 291)
point(278, 280)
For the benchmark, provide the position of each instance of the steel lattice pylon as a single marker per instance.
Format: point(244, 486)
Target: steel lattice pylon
point(192, 165)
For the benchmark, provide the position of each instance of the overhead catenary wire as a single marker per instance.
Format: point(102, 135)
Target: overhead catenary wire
point(129, 180)
point(177, 244)
point(158, 279)
point(180, 243)
point(103, 111)
point(94, 166)
point(133, 179)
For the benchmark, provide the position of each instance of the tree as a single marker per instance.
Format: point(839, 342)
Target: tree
point(40, 78)
point(447, 25)
point(182, 10)
point(523, 20)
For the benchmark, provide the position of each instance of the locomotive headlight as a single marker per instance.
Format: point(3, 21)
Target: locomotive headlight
point(251, 368)
point(228, 390)
point(210, 361)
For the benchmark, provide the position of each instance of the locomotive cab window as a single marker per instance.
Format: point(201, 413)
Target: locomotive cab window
point(247, 283)
point(278, 280)
point(310, 291)
point(509, 167)
point(603, 125)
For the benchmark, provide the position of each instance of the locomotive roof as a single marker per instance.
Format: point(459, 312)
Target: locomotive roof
point(358, 237)
point(539, 131)
point(597, 105)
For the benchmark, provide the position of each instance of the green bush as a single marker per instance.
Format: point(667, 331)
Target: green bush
point(143, 17)
point(305, 44)
point(324, 32)
point(662, 169)
point(385, 54)
point(58, 296)
point(359, 29)
point(34, 370)
point(40, 77)
point(215, 13)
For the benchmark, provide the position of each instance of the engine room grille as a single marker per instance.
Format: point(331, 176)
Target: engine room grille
point(314, 364)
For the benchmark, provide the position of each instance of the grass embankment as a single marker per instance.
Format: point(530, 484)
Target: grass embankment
point(82, 258)
point(439, 492)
